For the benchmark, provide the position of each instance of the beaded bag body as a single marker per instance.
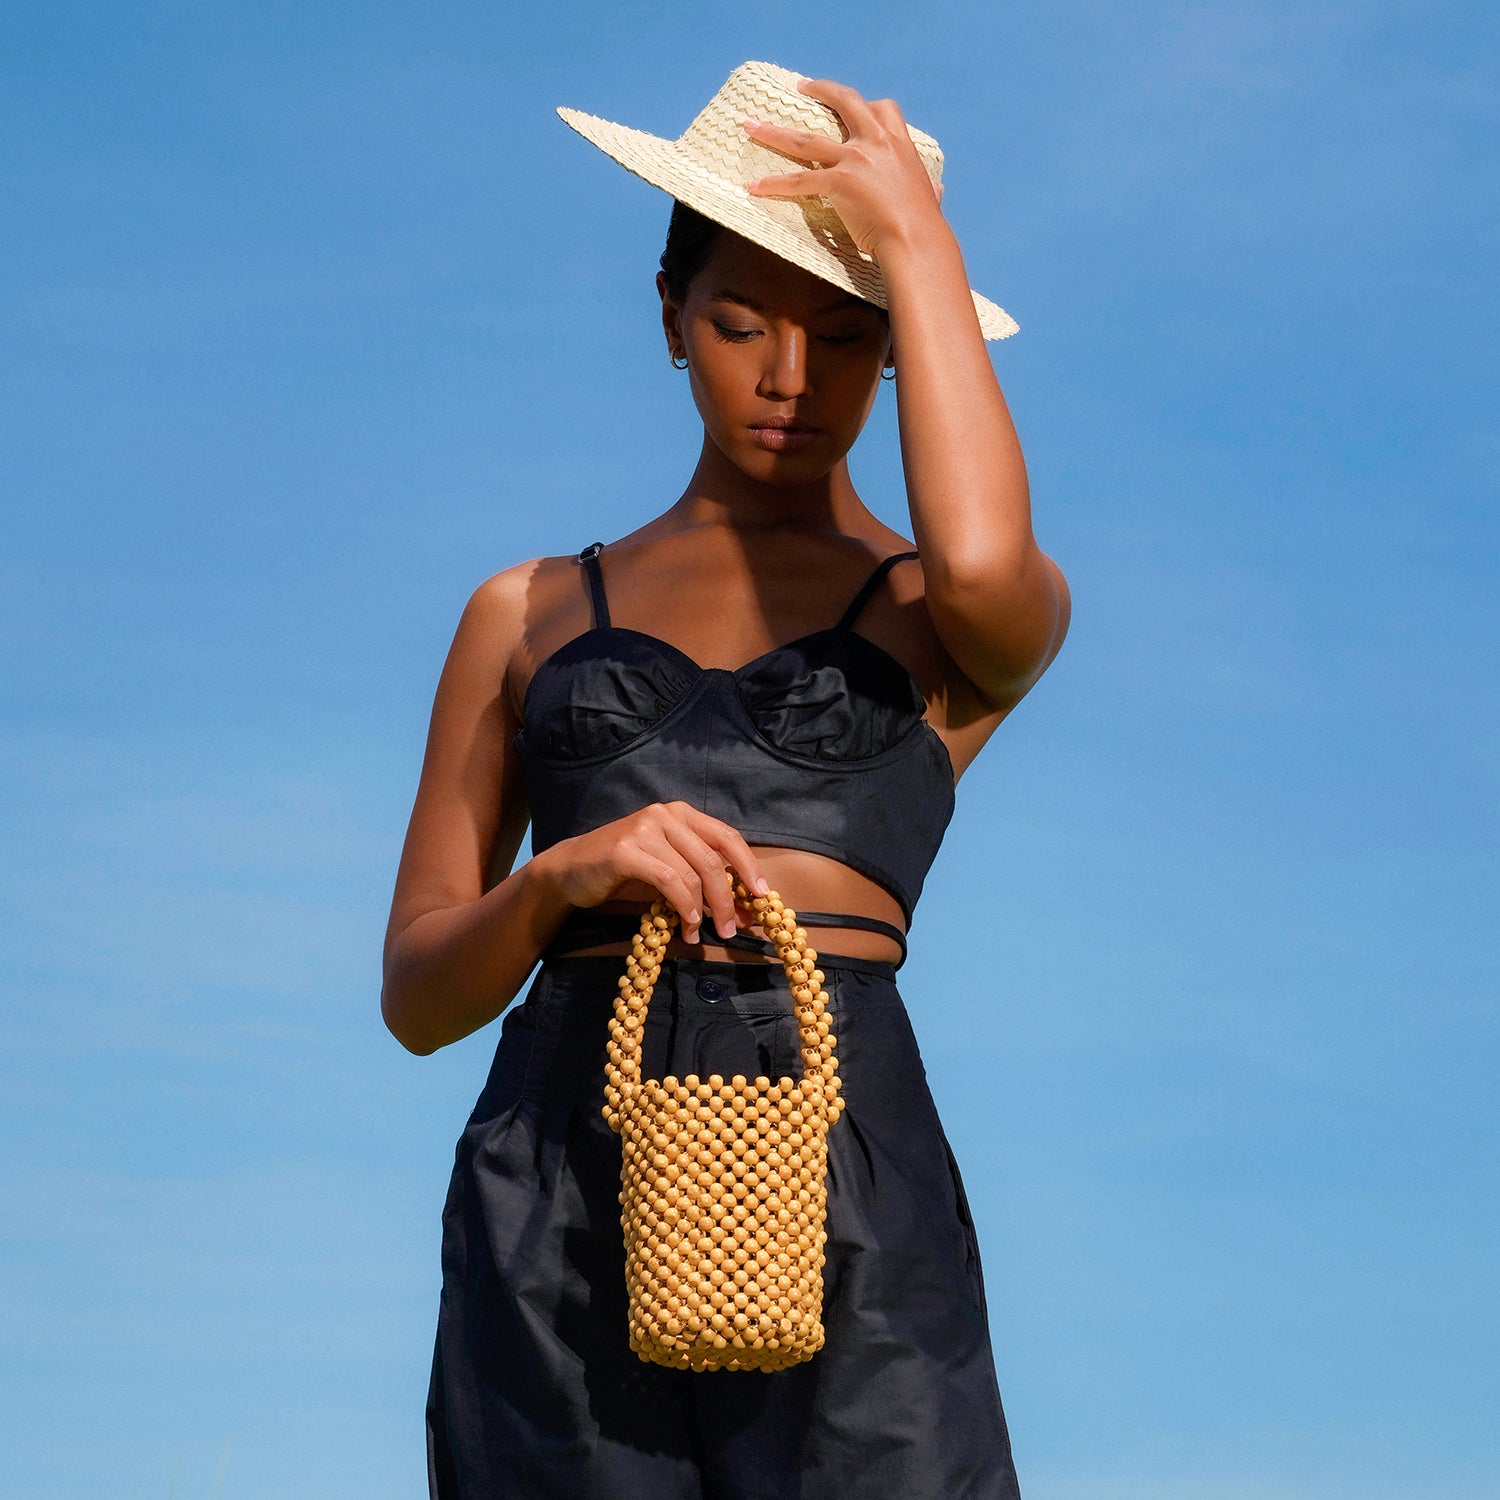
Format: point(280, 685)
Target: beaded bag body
point(724, 1182)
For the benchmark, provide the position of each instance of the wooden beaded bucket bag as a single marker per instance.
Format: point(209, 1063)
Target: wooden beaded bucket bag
point(724, 1183)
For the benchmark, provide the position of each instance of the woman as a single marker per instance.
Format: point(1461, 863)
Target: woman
point(764, 680)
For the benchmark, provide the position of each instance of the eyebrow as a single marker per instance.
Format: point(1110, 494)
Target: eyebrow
point(847, 302)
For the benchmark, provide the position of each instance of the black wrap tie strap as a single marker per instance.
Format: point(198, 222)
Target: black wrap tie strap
point(587, 928)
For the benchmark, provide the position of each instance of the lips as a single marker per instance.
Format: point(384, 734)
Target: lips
point(782, 435)
point(782, 424)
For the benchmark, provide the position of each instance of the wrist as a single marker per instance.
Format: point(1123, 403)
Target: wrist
point(543, 892)
point(928, 298)
point(919, 237)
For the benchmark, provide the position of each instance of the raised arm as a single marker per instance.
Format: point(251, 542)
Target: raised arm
point(999, 604)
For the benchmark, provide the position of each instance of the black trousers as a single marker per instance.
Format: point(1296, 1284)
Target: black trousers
point(535, 1392)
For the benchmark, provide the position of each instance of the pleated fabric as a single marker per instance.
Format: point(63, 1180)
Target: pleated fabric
point(535, 1392)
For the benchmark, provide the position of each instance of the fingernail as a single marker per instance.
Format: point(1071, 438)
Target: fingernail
point(762, 886)
point(750, 122)
point(694, 917)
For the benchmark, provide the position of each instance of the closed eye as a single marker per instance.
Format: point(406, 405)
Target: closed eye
point(728, 335)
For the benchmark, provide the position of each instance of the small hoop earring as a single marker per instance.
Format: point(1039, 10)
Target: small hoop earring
point(681, 366)
point(890, 376)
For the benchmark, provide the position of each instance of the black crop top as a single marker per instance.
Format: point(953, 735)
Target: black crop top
point(819, 744)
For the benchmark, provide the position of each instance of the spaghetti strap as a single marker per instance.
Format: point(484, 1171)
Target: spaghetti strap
point(872, 583)
point(589, 557)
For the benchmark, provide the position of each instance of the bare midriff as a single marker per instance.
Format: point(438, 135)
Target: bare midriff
point(805, 882)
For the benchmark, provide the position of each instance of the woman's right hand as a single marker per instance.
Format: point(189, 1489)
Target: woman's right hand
point(669, 849)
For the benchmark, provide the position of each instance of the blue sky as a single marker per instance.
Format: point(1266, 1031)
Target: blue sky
point(313, 316)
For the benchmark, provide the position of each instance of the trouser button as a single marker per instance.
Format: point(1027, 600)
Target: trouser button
point(711, 990)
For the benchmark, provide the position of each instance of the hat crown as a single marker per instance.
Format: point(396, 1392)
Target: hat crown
point(707, 166)
point(765, 91)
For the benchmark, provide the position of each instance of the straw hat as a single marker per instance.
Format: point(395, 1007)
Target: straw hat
point(707, 167)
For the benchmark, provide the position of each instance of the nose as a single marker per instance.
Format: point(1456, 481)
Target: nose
point(785, 373)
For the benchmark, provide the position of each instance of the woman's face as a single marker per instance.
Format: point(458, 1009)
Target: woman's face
point(766, 339)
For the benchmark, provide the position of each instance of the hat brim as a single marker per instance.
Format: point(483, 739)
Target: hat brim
point(780, 225)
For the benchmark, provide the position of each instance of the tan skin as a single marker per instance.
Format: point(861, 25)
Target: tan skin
point(762, 546)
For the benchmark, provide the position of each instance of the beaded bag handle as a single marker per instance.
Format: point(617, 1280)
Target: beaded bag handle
point(724, 1183)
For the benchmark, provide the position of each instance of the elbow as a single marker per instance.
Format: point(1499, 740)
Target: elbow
point(1064, 616)
point(417, 1046)
point(403, 1023)
point(1031, 585)
point(404, 1007)
point(1004, 630)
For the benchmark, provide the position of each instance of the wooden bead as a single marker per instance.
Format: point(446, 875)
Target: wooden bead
point(723, 1184)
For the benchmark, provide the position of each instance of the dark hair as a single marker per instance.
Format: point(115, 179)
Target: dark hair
point(690, 238)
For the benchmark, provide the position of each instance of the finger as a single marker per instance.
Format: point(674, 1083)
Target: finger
point(676, 880)
point(736, 853)
point(708, 864)
point(804, 145)
point(656, 841)
point(849, 104)
point(788, 185)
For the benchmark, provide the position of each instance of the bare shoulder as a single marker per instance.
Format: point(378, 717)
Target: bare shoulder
point(510, 612)
point(511, 595)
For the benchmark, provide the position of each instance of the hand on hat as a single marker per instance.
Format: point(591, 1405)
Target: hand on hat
point(874, 180)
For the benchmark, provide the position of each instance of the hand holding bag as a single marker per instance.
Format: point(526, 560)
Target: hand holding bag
point(724, 1183)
